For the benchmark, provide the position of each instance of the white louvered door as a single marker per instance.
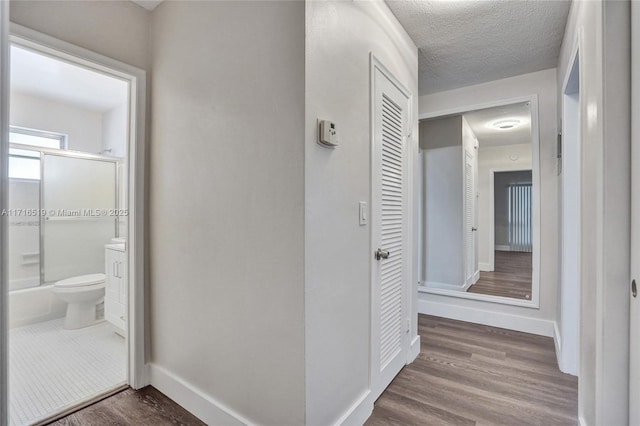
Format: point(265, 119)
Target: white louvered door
point(389, 232)
point(469, 218)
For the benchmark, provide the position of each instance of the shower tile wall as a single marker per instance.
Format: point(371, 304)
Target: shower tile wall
point(24, 235)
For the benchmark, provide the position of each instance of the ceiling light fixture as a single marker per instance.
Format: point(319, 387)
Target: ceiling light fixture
point(506, 124)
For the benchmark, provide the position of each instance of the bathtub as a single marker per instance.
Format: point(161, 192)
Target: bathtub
point(33, 305)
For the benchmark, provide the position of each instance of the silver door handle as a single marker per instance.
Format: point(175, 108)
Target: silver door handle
point(382, 254)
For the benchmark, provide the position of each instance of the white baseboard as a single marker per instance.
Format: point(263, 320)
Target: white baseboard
point(484, 267)
point(444, 286)
point(414, 350)
point(502, 248)
point(557, 340)
point(359, 411)
point(194, 400)
point(492, 318)
point(564, 365)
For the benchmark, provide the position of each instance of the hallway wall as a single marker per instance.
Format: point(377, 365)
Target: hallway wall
point(540, 321)
point(227, 209)
point(339, 39)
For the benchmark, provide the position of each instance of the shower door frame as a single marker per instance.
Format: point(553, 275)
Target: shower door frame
point(137, 368)
point(69, 154)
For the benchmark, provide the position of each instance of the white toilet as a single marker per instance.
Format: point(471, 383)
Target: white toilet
point(82, 294)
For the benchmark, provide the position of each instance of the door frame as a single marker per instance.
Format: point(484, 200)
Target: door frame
point(565, 346)
point(137, 370)
point(534, 303)
point(4, 220)
point(634, 314)
point(492, 211)
point(470, 279)
point(409, 340)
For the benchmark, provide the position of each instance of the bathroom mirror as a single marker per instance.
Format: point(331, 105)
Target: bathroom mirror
point(480, 204)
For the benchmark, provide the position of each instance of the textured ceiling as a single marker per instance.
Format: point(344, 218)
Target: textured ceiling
point(462, 43)
point(480, 122)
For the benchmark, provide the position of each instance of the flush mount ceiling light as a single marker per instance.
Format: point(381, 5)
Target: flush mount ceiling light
point(506, 124)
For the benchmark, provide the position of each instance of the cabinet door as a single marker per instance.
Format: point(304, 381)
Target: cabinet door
point(124, 279)
point(114, 309)
point(111, 282)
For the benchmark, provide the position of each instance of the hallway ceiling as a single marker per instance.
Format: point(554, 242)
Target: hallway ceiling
point(481, 121)
point(462, 43)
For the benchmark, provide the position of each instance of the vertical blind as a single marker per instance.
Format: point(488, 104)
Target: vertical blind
point(520, 220)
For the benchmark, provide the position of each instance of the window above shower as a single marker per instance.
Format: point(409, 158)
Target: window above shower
point(24, 163)
point(37, 138)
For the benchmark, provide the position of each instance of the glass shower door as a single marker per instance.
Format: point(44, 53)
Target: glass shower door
point(79, 198)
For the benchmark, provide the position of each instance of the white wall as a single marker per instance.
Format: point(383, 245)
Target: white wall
point(115, 128)
point(494, 157)
point(542, 84)
point(227, 208)
point(83, 127)
point(340, 37)
point(118, 29)
point(441, 143)
point(602, 29)
point(443, 213)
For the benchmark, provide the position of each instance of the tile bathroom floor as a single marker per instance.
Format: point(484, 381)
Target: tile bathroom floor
point(51, 368)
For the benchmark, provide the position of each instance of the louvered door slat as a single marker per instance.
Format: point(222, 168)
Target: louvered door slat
point(392, 204)
point(389, 229)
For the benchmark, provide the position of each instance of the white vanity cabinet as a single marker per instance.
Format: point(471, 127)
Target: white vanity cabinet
point(117, 286)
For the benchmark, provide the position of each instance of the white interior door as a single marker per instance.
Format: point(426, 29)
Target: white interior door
point(390, 273)
point(634, 341)
point(469, 219)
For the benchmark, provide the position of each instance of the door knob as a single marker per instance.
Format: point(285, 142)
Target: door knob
point(382, 254)
point(474, 229)
point(634, 288)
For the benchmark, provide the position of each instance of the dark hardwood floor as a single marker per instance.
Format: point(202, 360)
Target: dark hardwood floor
point(466, 374)
point(511, 277)
point(469, 374)
point(145, 407)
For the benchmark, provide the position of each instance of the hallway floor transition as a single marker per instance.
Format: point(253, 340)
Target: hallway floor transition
point(470, 374)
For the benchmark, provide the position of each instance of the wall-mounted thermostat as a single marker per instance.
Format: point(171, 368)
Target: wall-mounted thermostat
point(327, 133)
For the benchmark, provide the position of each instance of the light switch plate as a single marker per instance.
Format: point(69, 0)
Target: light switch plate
point(363, 213)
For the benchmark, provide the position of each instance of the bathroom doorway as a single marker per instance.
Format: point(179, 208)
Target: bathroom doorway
point(75, 283)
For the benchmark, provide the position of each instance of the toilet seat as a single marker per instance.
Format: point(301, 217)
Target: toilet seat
point(81, 281)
